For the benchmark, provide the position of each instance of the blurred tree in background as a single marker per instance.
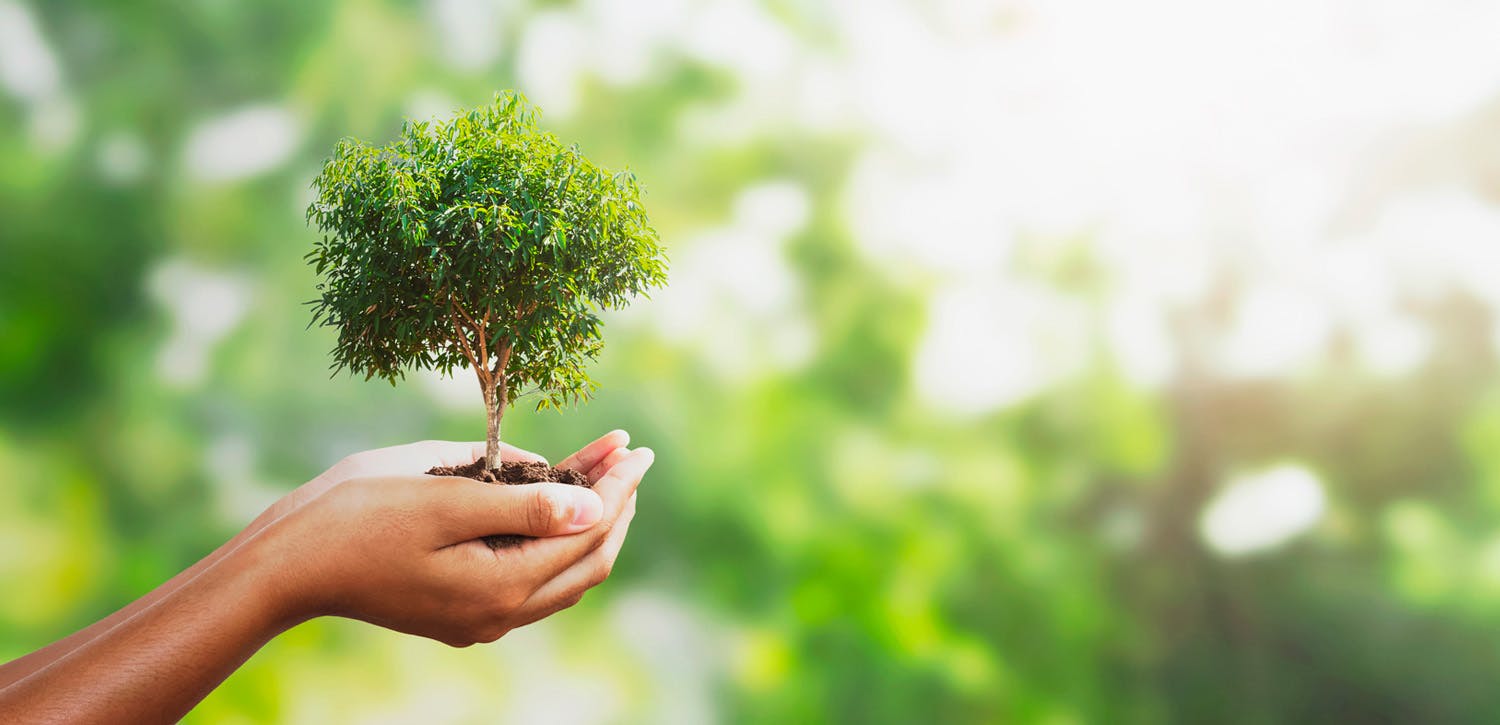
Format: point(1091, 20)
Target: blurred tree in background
point(1021, 363)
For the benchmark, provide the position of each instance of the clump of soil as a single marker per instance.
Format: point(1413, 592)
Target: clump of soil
point(513, 473)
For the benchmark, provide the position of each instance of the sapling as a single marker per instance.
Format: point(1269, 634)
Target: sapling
point(480, 242)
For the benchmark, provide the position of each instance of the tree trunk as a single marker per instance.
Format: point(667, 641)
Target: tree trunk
point(494, 408)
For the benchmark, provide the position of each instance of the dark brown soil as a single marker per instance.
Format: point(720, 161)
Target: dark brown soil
point(512, 473)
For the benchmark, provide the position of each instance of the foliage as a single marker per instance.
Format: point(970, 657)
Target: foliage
point(481, 240)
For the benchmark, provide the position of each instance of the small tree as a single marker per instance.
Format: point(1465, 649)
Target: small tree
point(480, 241)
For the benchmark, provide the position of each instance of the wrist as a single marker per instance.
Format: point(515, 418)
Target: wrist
point(266, 587)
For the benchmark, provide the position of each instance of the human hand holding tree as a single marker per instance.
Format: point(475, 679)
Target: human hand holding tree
point(327, 549)
point(404, 551)
point(478, 242)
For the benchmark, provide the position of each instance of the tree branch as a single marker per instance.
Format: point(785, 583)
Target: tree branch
point(484, 349)
point(459, 306)
point(501, 362)
point(463, 337)
point(484, 344)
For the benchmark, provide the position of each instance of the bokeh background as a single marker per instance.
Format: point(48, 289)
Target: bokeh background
point(1022, 361)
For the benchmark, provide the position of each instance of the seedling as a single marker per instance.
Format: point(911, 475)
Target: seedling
point(479, 242)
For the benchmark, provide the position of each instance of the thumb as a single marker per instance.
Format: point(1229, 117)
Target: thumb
point(533, 509)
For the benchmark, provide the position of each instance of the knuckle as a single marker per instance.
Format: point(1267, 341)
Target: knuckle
point(509, 601)
point(545, 511)
point(602, 529)
point(491, 633)
point(601, 571)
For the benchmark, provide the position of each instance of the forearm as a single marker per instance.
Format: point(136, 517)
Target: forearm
point(19, 668)
point(154, 665)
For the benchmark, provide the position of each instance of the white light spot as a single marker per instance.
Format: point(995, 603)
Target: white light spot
point(1141, 343)
point(733, 295)
point(739, 36)
point(1276, 328)
point(242, 144)
point(1438, 240)
point(550, 62)
point(1356, 280)
point(430, 104)
point(54, 122)
point(1122, 528)
point(204, 305)
point(27, 67)
point(1261, 511)
point(822, 96)
point(791, 343)
point(1392, 345)
point(469, 32)
point(122, 158)
point(750, 277)
point(735, 298)
point(240, 494)
point(547, 685)
point(990, 346)
point(456, 392)
point(939, 217)
point(626, 36)
point(777, 208)
point(671, 643)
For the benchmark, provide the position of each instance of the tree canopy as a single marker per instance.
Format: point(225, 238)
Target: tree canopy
point(480, 241)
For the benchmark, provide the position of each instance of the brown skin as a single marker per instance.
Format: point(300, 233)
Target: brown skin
point(369, 539)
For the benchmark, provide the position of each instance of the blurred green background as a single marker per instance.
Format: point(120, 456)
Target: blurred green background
point(1022, 362)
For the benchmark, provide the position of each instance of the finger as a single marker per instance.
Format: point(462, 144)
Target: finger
point(590, 455)
point(550, 557)
point(565, 589)
point(609, 462)
point(471, 509)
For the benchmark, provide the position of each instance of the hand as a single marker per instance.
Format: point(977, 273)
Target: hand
point(408, 459)
point(371, 538)
point(402, 551)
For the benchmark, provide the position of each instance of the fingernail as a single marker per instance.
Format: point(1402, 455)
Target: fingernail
point(588, 508)
point(621, 433)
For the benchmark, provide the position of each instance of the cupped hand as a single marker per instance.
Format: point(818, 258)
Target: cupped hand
point(391, 546)
point(407, 459)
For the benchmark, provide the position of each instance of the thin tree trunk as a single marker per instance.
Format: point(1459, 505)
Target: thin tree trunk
point(494, 406)
point(492, 430)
